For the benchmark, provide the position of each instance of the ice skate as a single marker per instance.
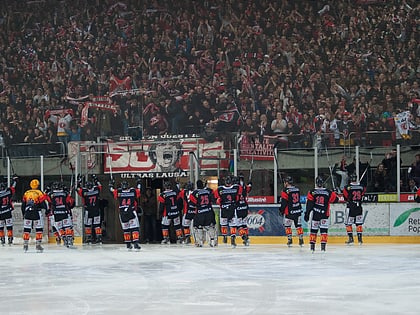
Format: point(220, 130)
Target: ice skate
point(187, 240)
point(3, 241)
point(129, 246)
point(301, 241)
point(359, 239)
point(245, 240)
point(179, 241)
point(70, 242)
point(165, 241)
point(224, 239)
point(312, 247)
point(233, 241)
point(323, 246)
point(99, 240)
point(136, 246)
point(58, 241)
point(212, 242)
point(350, 241)
point(88, 240)
point(25, 246)
point(10, 241)
point(39, 248)
point(289, 241)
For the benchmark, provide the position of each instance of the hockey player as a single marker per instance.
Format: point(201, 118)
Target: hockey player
point(204, 220)
point(242, 210)
point(187, 211)
point(291, 209)
point(318, 202)
point(127, 204)
point(168, 209)
point(90, 199)
point(6, 208)
point(60, 204)
point(353, 194)
point(227, 196)
point(33, 202)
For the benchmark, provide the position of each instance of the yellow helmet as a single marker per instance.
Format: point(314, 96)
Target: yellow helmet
point(34, 184)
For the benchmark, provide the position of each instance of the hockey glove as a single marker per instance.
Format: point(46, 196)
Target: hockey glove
point(306, 217)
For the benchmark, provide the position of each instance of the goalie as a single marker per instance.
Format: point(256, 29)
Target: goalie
point(204, 220)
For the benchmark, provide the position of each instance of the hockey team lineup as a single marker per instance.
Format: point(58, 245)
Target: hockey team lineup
point(188, 210)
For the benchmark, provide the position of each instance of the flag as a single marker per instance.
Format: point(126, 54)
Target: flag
point(402, 124)
point(117, 85)
point(228, 120)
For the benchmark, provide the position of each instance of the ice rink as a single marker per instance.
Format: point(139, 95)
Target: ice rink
point(179, 279)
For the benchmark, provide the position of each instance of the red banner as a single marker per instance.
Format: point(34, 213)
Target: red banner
point(164, 159)
point(252, 148)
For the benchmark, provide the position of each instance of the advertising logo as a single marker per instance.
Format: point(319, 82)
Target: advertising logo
point(404, 216)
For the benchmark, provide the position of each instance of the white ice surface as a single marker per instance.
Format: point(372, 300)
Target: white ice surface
point(176, 279)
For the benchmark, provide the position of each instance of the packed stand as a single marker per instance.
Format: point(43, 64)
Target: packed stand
point(303, 71)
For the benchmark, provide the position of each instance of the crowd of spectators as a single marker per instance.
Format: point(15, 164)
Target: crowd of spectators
point(300, 68)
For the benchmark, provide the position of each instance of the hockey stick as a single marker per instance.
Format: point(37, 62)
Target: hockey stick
point(252, 160)
point(330, 167)
point(61, 168)
point(10, 161)
point(110, 162)
point(367, 167)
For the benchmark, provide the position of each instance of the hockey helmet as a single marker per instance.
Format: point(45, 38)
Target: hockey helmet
point(200, 184)
point(353, 177)
point(3, 186)
point(89, 185)
point(289, 179)
point(235, 180)
point(319, 181)
point(228, 180)
point(189, 186)
point(167, 185)
point(34, 184)
point(55, 185)
point(124, 184)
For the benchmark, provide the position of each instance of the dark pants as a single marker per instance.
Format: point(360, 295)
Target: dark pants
point(150, 227)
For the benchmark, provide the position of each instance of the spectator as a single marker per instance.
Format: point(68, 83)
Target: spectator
point(414, 170)
point(249, 130)
point(412, 186)
point(294, 135)
point(378, 181)
point(74, 133)
point(390, 166)
point(279, 125)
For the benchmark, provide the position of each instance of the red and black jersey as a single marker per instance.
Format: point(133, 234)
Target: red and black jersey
point(90, 197)
point(6, 199)
point(228, 195)
point(201, 200)
point(127, 198)
point(290, 201)
point(353, 193)
point(184, 195)
point(168, 203)
point(60, 202)
point(319, 200)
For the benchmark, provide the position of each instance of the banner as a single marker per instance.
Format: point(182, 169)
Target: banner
point(261, 149)
point(265, 221)
point(402, 123)
point(151, 159)
point(87, 149)
point(405, 219)
point(101, 105)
